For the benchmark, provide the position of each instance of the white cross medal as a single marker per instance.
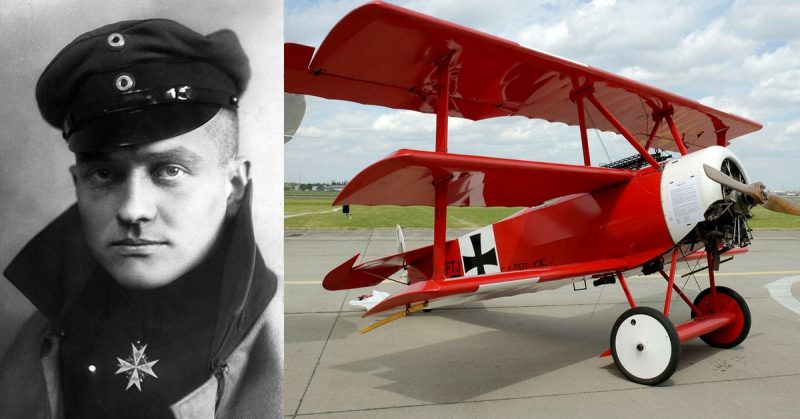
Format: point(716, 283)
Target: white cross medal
point(136, 367)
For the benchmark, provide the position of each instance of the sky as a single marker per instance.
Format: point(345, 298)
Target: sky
point(742, 57)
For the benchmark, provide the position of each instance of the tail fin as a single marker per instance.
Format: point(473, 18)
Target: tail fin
point(400, 240)
point(294, 109)
point(401, 248)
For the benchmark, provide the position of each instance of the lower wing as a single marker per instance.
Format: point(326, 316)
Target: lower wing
point(503, 284)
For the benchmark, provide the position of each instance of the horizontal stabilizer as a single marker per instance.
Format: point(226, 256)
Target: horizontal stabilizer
point(346, 276)
point(407, 177)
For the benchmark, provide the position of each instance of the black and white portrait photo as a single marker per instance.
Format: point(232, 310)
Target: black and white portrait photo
point(141, 184)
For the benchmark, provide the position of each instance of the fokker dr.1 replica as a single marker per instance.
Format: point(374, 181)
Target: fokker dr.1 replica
point(645, 213)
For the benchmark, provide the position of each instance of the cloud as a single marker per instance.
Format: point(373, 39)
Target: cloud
point(308, 23)
point(743, 58)
point(766, 21)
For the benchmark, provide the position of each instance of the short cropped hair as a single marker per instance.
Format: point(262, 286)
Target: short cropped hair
point(224, 129)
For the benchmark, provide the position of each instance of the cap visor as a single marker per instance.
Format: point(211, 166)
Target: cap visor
point(142, 125)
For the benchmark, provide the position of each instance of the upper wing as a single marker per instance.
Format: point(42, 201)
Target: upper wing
point(381, 54)
point(407, 177)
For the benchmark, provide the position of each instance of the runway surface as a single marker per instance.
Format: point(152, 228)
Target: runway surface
point(529, 355)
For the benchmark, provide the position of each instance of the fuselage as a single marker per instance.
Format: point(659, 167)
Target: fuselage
point(636, 221)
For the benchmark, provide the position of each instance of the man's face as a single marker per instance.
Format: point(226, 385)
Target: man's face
point(154, 211)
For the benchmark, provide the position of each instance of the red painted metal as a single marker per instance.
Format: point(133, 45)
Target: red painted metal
point(704, 324)
point(439, 230)
point(670, 282)
point(440, 182)
point(683, 296)
point(442, 104)
point(622, 130)
point(584, 135)
point(698, 326)
point(625, 288)
point(653, 132)
point(430, 290)
point(701, 254)
point(625, 221)
point(725, 304)
point(604, 221)
point(381, 54)
point(675, 136)
point(721, 131)
point(406, 177)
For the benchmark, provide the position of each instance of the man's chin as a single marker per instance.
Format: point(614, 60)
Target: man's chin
point(141, 277)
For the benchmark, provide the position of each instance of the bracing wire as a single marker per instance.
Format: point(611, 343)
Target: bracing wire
point(605, 150)
point(386, 278)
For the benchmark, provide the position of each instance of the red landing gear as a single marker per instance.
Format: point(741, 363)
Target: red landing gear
point(645, 344)
point(729, 301)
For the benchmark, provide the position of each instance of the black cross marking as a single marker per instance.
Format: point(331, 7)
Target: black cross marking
point(479, 260)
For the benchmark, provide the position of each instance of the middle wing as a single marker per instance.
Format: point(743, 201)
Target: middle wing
point(407, 177)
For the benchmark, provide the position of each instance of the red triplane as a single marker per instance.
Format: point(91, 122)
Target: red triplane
point(647, 212)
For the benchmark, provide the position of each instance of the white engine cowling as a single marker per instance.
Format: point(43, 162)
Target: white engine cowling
point(686, 191)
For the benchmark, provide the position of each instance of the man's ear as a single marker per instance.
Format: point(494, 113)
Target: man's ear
point(238, 177)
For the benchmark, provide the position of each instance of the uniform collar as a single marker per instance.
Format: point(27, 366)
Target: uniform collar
point(53, 269)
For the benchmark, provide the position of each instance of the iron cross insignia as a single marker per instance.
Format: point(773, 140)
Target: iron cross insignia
point(136, 367)
point(480, 259)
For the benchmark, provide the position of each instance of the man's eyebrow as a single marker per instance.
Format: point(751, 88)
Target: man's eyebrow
point(178, 154)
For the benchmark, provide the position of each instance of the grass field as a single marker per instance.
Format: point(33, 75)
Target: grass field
point(764, 219)
point(313, 210)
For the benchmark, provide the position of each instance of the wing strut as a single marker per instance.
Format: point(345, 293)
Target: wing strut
point(588, 92)
point(675, 135)
point(622, 130)
point(653, 132)
point(582, 121)
point(440, 179)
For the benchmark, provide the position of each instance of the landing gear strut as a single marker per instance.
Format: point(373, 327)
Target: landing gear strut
point(645, 344)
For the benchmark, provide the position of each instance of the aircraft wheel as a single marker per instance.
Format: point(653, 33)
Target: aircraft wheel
point(645, 346)
point(727, 300)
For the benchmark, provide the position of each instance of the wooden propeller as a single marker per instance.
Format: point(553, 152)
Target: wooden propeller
point(757, 192)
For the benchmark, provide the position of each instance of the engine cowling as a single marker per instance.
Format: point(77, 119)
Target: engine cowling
point(697, 208)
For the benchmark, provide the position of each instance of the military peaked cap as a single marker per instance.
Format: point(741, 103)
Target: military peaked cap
point(140, 81)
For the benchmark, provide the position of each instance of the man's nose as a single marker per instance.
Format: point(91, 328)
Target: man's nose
point(138, 201)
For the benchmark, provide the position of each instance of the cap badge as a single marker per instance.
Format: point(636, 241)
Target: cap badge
point(116, 41)
point(180, 93)
point(124, 82)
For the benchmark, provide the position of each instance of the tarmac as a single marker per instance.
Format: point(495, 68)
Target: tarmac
point(533, 354)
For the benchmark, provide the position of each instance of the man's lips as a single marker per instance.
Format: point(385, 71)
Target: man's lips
point(136, 247)
point(136, 242)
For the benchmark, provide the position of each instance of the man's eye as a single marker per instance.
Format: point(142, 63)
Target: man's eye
point(100, 175)
point(170, 172)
